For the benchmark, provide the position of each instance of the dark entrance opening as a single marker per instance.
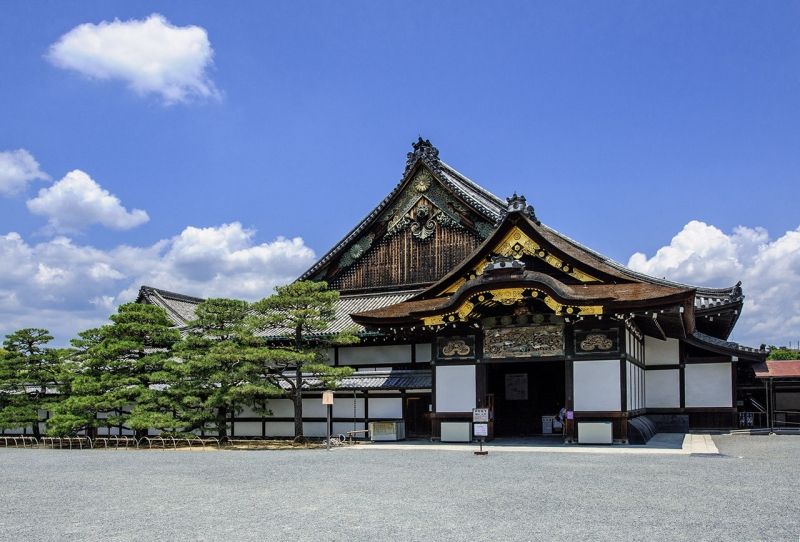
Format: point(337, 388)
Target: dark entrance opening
point(417, 415)
point(523, 393)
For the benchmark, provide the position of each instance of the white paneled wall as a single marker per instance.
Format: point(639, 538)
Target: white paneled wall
point(596, 385)
point(385, 408)
point(375, 355)
point(708, 385)
point(455, 388)
point(663, 388)
point(661, 352)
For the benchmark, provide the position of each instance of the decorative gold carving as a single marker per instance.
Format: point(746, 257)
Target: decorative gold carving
point(509, 296)
point(516, 244)
point(465, 310)
point(435, 320)
point(596, 341)
point(456, 348)
point(422, 181)
point(523, 342)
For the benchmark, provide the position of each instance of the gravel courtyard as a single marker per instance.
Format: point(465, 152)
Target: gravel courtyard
point(749, 492)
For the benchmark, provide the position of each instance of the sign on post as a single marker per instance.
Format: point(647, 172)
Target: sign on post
point(480, 427)
point(480, 415)
point(327, 397)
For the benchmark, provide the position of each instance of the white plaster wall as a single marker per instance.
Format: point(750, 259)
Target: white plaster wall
point(631, 386)
point(247, 429)
point(281, 408)
point(385, 408)
point(313, 408)
point(596, 385)
point(373, 355)
point(659, 352)
point(663, 388)
point(708, 385)
point(343, 406)
point(280, 429)
point(314, 429)
point(628, 342)
point(455, 388)
point(639, 400)
point(423, 352)
point(248, 412)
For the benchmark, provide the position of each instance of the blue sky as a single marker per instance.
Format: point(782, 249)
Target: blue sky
point(630, 126)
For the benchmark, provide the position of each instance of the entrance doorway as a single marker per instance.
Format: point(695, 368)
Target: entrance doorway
point(523, 393)
point(417, 409)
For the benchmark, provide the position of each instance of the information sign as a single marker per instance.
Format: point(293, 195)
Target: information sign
point(481, 430)
point(327, 397)
point(480, 415)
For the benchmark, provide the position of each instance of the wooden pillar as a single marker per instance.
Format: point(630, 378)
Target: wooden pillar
point(623, 384)
point(569, 400)
point(480, 385)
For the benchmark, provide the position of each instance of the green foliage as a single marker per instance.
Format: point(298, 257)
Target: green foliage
point(783, 353)
point(215, 370)
point(300, 311)
point(114, 369)
point(137, 371)
point(28, 371)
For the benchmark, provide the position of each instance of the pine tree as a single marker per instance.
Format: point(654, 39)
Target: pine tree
point(300, 312)
point(215, 369)
point(29, 374)
point(116, 371)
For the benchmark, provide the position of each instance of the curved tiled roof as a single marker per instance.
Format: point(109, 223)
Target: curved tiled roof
point(375, 380)
point(616, 295)
point(181, 308)
point(725, 347)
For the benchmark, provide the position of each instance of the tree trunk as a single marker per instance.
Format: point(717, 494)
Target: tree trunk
point(298, 408)
point(298, 389)
point(35, 427)
point(222, 423)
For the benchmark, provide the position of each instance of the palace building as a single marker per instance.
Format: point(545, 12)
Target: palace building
point(465, 300)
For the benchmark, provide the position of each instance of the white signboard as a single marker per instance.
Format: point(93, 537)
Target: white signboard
point(327, 397)
point(481, 430)
point(480, 415)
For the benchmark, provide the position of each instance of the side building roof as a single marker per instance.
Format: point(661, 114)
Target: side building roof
point(181, 308)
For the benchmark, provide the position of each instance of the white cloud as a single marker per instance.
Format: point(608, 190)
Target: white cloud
point(67, 287)
point(704, 255)
point(152, 56)
point(77, 201)
point(17, 169)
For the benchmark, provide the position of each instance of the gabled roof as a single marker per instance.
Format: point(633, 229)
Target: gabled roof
point(480, 200)
point(575, 281)
point(179, 307)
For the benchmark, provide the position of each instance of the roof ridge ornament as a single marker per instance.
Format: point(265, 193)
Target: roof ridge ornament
point(518, 204)
point(504, 264)
point(425, 151)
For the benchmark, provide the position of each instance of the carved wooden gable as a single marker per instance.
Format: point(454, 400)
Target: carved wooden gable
point(419, 238)
point(519, 244)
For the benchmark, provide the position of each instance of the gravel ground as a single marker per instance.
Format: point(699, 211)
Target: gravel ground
point(750, 492)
